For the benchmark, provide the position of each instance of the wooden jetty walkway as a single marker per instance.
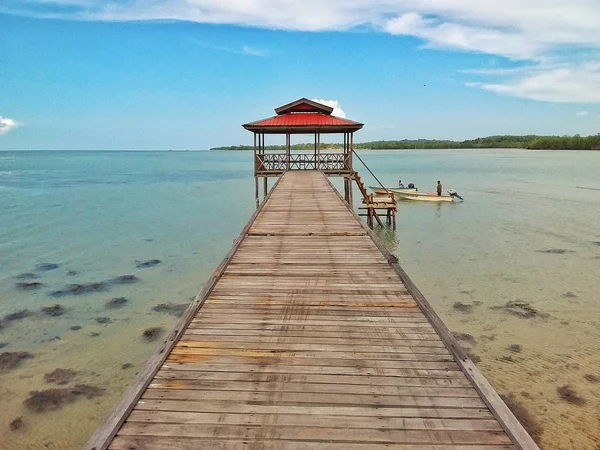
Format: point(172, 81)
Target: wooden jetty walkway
point(309, 336)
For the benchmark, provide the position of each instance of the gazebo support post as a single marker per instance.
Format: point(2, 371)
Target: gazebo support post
point(265, 187)
point(256, 191)
point(287, 151)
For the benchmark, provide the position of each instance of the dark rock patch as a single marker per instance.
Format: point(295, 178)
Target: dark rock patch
point(464, 337)
point(515, 348)
point(94, 334)
point(555, 251)
point(152, 333)
point(71, 273)
point(148, 240)
point(124, 279)
point(175, 309)
point(117, 302)
point(568, 394)
point(26, 276)
point(44, 267)
point(75, 328)
point(592, 378)
point(103, 320)
point(53, 399)
point(569, 295)
point(10, 360)
point(3, 344)
point(126, 366)
point(78, 289)
point(463, 307)
point(520, 309)
point(465, 292)
point(60, 376)
point(508, 359)
point(28, 285)
point(488, 337)
point(147, 264)
point(533, 427)
point(596, 243)
point(16, 424)
point(54, 310)
point(19, 315)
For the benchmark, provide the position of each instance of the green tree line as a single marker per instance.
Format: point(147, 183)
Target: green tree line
point(576, 142)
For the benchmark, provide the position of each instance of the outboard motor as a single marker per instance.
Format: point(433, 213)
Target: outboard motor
point(453, 194)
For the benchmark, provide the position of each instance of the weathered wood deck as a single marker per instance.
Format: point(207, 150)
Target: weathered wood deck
point(310, 336)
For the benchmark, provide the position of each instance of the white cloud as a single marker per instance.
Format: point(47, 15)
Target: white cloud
point(581, 113)
point(562, 83)
point(337, 109)
point(245, 50)
point(535, 32)
point(7, 124)
point(475, 25)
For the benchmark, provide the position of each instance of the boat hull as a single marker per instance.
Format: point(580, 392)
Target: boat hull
point(382, 191)
point(423, 197)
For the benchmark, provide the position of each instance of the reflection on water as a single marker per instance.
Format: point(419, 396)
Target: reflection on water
point(513, 270)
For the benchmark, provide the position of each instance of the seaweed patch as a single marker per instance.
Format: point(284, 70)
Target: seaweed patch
point(147, 264)
point(175, 309)
point(54, 310)
point(462, 307)
point(60, 376)
point(19, 315)
point(521, 309)
point(568, 394)
point(28, 285)
point(117, 302)
point(529, 422)
point(464, 337)
point(152, 334)
point(53, 399)
point(10, 360)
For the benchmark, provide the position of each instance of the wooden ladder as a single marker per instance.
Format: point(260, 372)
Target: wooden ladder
point(372, 204)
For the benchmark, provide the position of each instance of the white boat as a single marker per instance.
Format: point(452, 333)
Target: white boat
point(414, 195)
point(383, 191)
point(423, 196)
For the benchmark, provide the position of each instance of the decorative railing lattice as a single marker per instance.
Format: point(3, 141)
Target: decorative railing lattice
point(326, 162)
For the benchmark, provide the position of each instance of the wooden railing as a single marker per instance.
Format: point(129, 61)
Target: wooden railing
point(325, 162)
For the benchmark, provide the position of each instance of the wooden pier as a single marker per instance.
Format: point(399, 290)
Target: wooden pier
point(309, 336)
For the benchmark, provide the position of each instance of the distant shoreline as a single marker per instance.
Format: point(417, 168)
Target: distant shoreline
point(528, 142)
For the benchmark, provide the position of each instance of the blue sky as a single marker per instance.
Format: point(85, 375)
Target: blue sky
point(85, 74)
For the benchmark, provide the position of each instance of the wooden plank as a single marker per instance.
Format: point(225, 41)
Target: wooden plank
point(357, 411)
point(318, 421)
point(296, 433)
point(161, 443)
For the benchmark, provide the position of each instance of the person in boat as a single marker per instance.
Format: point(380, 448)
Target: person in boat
point(439, 188)
point(400, 184)
point(411, 185)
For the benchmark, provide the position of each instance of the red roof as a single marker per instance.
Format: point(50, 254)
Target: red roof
point(302, 120)
point(296, 118)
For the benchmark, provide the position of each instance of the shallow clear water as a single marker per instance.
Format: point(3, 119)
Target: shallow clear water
point(97, 213)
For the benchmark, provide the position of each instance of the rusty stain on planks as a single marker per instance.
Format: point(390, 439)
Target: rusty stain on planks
point(309, 336)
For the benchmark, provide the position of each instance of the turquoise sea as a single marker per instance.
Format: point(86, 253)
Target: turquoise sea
point(515, 267)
